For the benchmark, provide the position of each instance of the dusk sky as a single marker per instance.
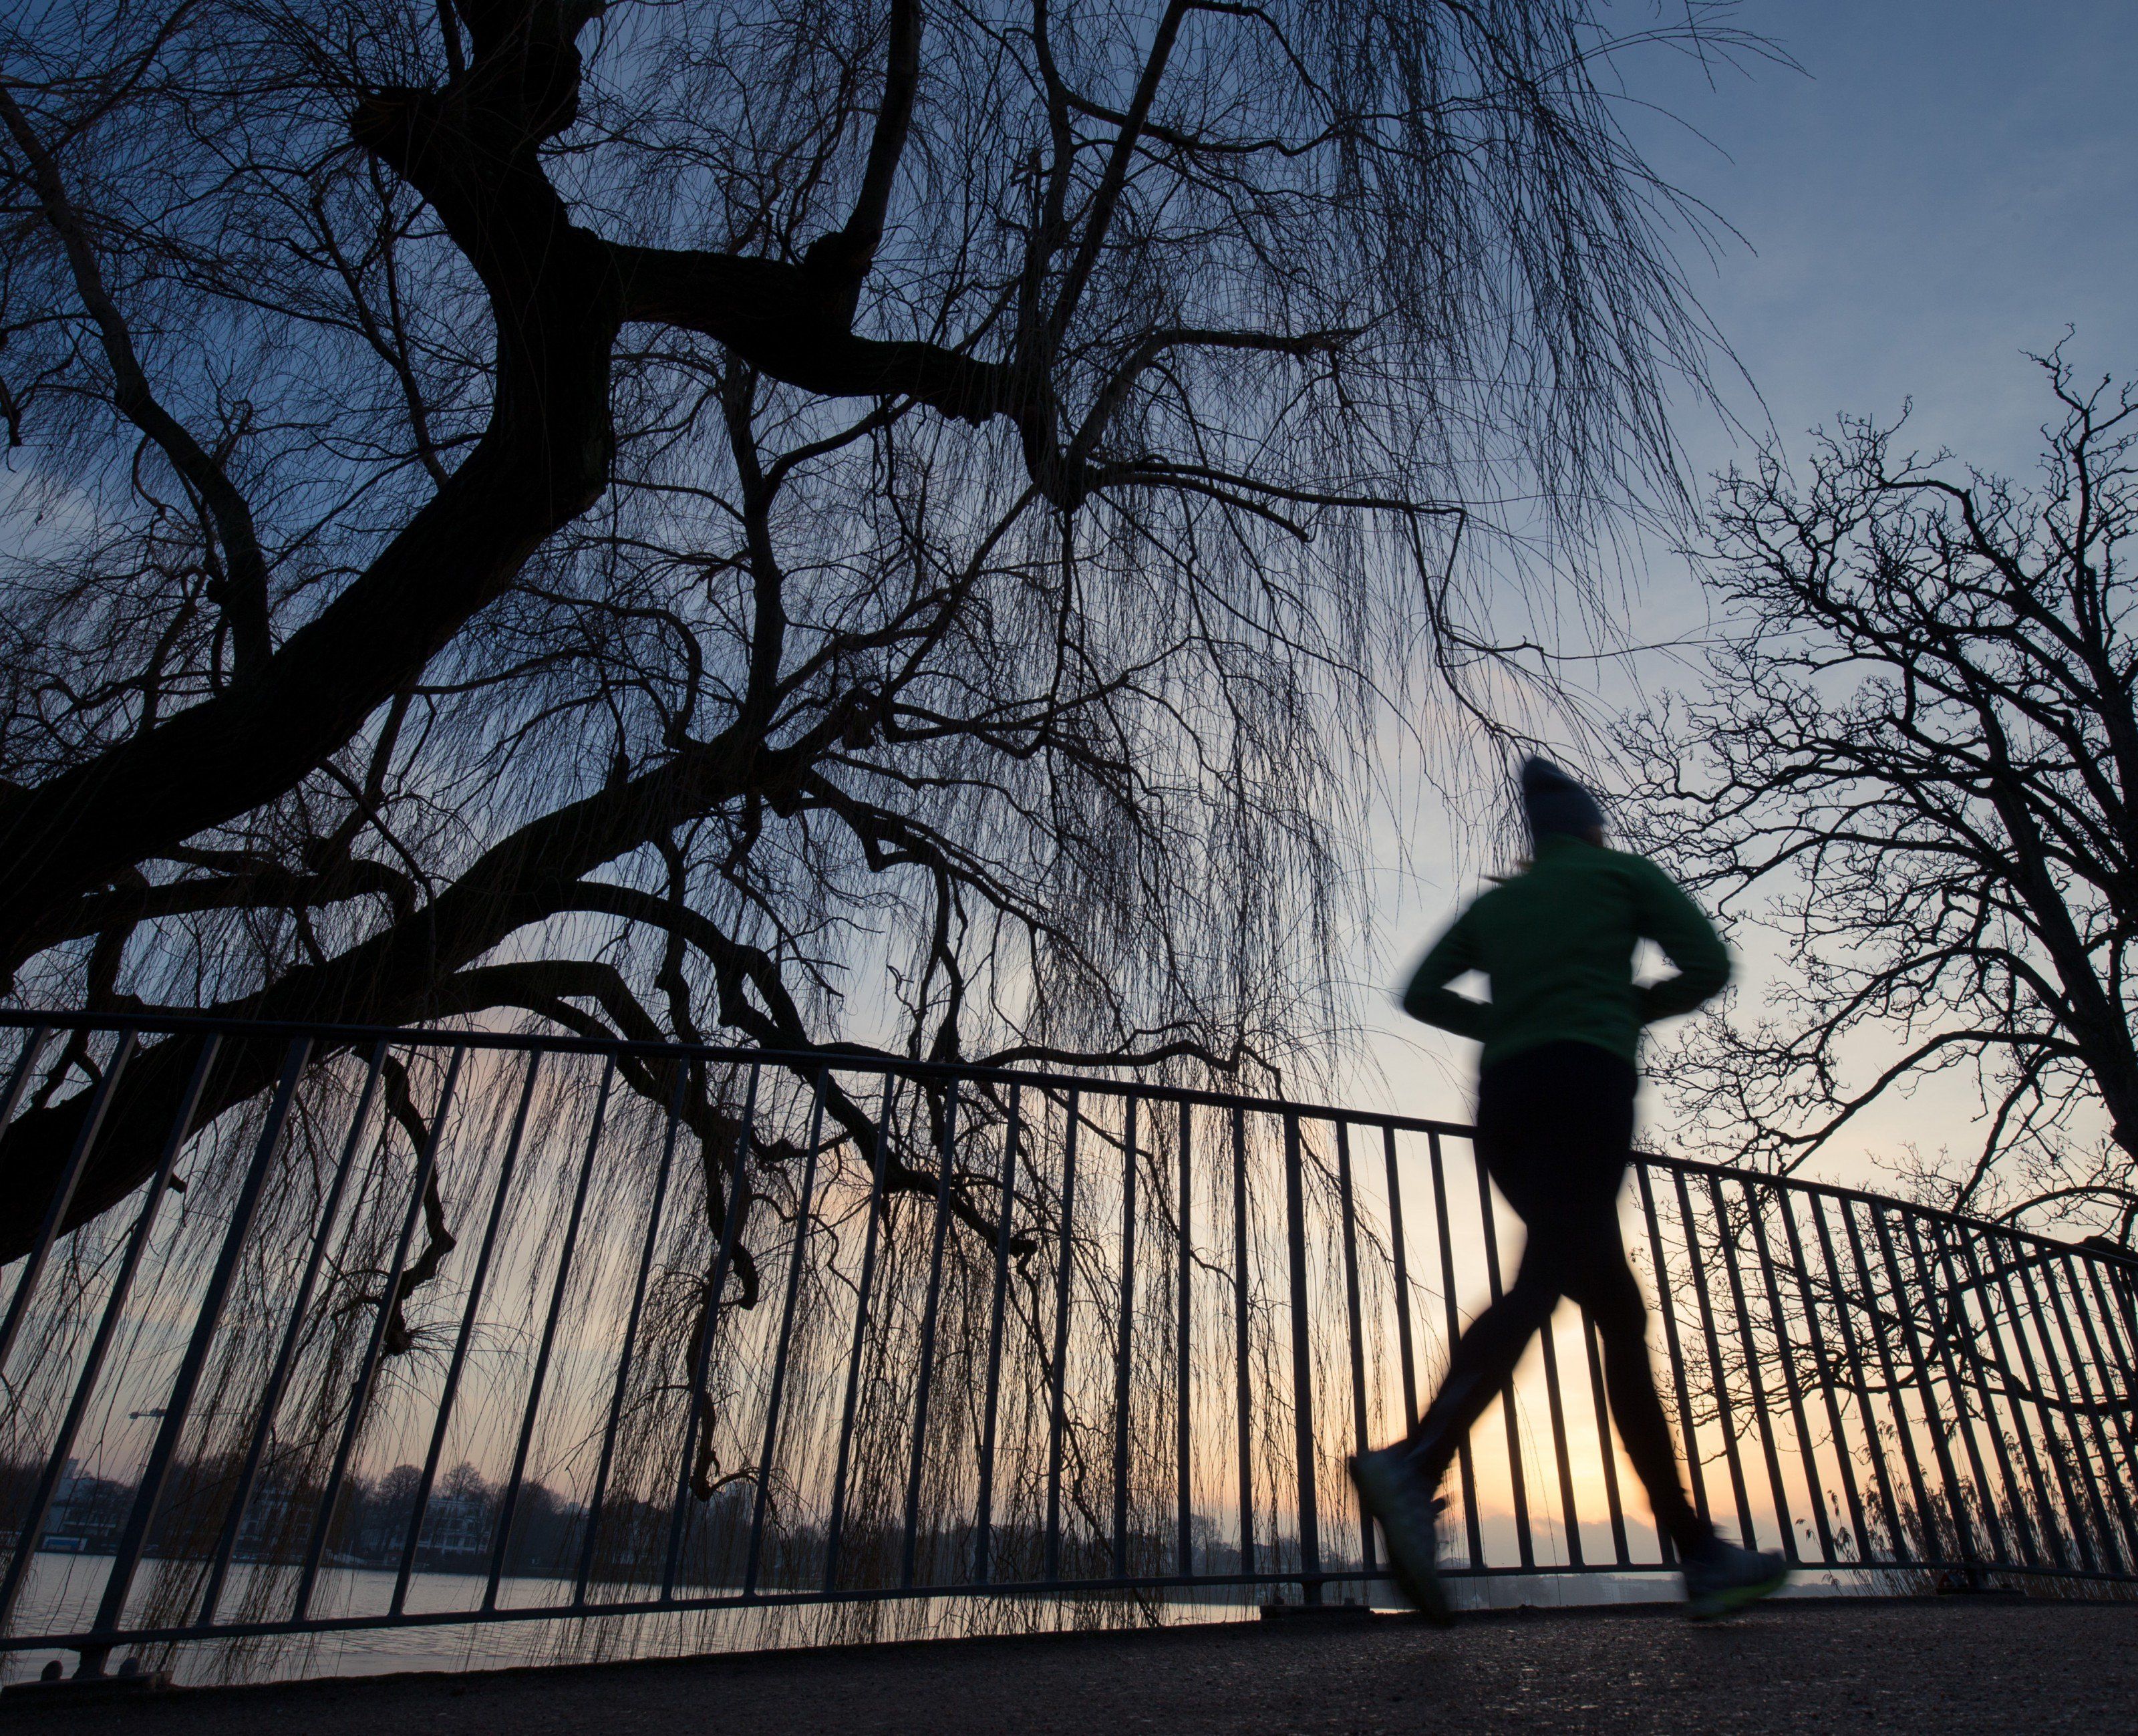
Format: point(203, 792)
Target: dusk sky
point(1944, 185)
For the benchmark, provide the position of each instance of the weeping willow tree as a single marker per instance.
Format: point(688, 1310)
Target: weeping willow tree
point(855, 522)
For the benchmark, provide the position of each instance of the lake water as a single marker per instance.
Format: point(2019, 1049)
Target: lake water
point(63, 1591)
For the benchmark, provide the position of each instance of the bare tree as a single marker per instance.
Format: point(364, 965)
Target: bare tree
point(1920, 742)
point(659, 518)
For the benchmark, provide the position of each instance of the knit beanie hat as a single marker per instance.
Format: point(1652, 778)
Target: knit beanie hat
point(1554, 802)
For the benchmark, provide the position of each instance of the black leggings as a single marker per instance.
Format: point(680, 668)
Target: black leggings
point(1555, 1129)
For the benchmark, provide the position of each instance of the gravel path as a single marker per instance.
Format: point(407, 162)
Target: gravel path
point(1948, 1666)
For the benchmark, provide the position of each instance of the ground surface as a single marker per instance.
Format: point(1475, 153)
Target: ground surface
point(1932, 1665)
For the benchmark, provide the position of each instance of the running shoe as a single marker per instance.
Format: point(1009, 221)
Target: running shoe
point(1726, 1577)
point(1408, 1514)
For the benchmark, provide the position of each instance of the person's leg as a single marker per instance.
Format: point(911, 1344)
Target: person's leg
point(1482, 1362)
point(1602, 1282)
point(1527, 1118)
point(1397, 1483)
point(1578, 1213)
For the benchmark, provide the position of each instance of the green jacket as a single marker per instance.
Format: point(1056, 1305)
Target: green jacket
point(1558, 942)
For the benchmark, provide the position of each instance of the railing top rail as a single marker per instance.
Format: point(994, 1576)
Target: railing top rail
point(839, 1057)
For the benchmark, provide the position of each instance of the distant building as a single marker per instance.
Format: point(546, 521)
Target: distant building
point(456, 1525)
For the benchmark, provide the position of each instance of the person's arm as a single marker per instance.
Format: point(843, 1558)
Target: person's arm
point(1675, 923)
point(1430, 998)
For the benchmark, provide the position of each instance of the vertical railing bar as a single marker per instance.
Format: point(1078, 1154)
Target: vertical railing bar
point(836, 1525)
point(1183, 1362)
point(270, 1396)
point(1928, 1274)
point(1058, 1375)
point(460, 1341)
point(1524, 1539)
point(2072, 1517)
point(1724, 1410)
point(30, 1523)
point(2093, 1425)
point(1605, 1438)
point(2073, 1261)
point(2120, 1329)
point(2113, 1331)
point(1844, 1454)
point(670, 1132)
point(1352, 1322)
point(2015, 1413)
point(1845, 1318)
point(63, 1192)
point(1303, 1364)
point(1466, 1461)
point(359, 1397)
point(1242, 1398)
point(1726, 1246)
point(1556, 1406)
point(984, 1522)
point(741, 1198)
point(947, 1147)
point(769, 1452)
point(2062, 1451)
point(1405, 1351)
point(178, 1406)
point(539, 1378)
point(984, 1511)
point(2116, 1484)
point(1807, 1450)
point(1687, 1424)
point(2122, 1287)
point(1903, 1430)
point(835, 1529)
point(1124, 1342)
point(1963, 1531)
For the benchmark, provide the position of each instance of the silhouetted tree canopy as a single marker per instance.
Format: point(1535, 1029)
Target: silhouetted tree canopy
point(793, 521)
point(1917, 758)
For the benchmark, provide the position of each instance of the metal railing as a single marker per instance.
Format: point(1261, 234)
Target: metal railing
point(315, 1329)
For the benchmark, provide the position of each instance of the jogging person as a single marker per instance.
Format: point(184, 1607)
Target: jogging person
point(1555, 1127)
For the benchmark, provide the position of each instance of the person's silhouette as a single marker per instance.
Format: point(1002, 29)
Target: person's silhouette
point(1555, 1126)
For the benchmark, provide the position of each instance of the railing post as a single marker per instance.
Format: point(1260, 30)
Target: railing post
point(1125, 1341)
point(1057, 1374)
point(740, 1200)
point(1183, 1493)
point(834, 1530)
point(30, 1523)
point(461, 1339)
point(1474, 1535)
point(1726, 1250)
point(984, 1522)
point(1666, 1304)
point(1355, 1329)
point(1725, 1409)
point(538, 1379)
point(946, 1152)
point(769, 1452)
point(1244, 1397)
point(1525, 1540)
point(623, 1356)
point(1303, 1364)
point(178, 1406)
point(1806, 1452)
point(367, 1371)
